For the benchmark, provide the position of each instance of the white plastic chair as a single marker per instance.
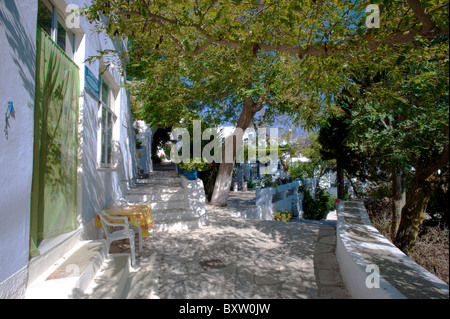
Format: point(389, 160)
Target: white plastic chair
point(124, 233)
point(124, 202)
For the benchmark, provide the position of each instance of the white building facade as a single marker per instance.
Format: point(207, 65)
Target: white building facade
point(68, 147)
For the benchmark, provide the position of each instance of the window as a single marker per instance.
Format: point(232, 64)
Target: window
point(53, 24)
point(45, 17)
point(106, 125)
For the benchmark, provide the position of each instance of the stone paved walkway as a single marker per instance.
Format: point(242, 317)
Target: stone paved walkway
point(240, 258)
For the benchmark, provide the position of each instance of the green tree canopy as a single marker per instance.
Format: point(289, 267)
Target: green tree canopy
point(400, 117)
point(236, 58)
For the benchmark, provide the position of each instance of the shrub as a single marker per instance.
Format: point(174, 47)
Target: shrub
point(432, 250)
point(318, 208)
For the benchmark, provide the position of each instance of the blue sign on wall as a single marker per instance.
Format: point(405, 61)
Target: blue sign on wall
point(91, 83)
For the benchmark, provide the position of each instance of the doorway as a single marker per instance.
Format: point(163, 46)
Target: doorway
point(54, 182)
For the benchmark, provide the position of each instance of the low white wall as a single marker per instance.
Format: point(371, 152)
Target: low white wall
point(372, 267)
point(272, 199)
point(196, 198)
point(280, 198)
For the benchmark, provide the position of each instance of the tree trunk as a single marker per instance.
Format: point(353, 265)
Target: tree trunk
point(340, 181)
point(355, 189)
point(398, 200)
point(283, 163)
point(224, 176)
point(425, 180)
point(413, 214)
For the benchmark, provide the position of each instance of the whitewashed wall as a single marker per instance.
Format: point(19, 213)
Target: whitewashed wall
point(97, 188)
point(17, 78)
point(145, 136)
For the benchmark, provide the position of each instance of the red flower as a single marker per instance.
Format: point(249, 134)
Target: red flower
point(337, 200)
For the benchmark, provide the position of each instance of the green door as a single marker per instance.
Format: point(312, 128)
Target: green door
point(54, 185)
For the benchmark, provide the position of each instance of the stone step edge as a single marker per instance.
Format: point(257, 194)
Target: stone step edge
point(173, 215)
point(144, 281)
point(180, 225)
point(154, 198)
point(74, 283)
point(112, 278)
point(149, 191)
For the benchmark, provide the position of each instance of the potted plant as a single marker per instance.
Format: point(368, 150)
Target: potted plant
point(268, 180)
point(192, 175)
point(192, 167)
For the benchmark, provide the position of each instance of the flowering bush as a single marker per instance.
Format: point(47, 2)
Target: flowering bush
point(282, 216)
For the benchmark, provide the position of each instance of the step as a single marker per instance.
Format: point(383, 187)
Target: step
point(172, 214)
point(155, 196)
point(58, 246)
point(159, 180)
point(163, 170)
point(162, 205)
point(159, 176)
point(111, 280)
point(174, 224)
point(69, 277)
point(157, 205)
point(156, 189)
point(144, 281)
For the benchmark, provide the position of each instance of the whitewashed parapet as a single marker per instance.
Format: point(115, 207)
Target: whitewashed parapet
point(195, 198)
point(372, 267)
point(300, 205)
point(280, 198)
point(264, 203)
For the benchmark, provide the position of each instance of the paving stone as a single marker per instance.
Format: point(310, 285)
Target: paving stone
point(329, 240)
point(333, 292)
point(266, 279)
point(244, 284)
point(289, 291)
point(330, 277)
point(266, 292)
point(245, 275)
point(324, 248)
point(328, 233)
point(325, 261)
